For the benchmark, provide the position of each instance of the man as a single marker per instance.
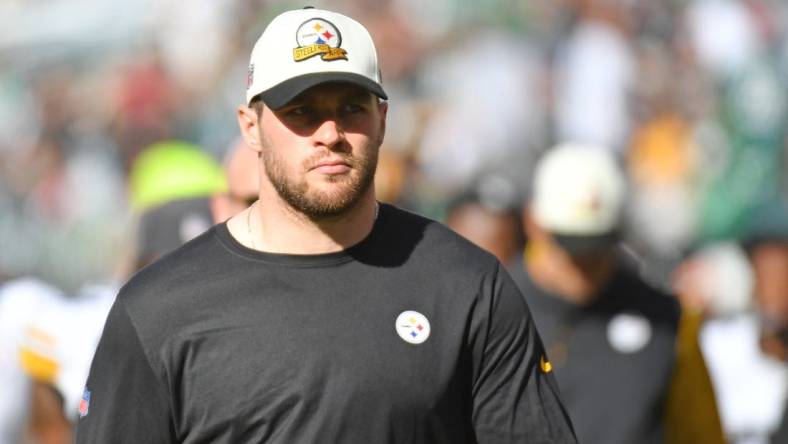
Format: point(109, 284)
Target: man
point(318, 315)
point(627, 362)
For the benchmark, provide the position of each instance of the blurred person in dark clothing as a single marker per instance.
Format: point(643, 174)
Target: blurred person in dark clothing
point(625, 356)
point(487, 216)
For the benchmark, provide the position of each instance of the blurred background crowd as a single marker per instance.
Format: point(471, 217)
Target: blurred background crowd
point(691, 96)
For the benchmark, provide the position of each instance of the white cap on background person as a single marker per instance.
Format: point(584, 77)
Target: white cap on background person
point(578, 196)
point(306, 47)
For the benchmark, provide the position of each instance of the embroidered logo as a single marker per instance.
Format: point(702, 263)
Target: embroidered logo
point(546, 366)
point(629, 332)
point(318, 37)
point(413, 327)
point(84, 403)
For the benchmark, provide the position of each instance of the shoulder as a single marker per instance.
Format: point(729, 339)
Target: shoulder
point(434, 242)
point(177, 275)
point(189, 256)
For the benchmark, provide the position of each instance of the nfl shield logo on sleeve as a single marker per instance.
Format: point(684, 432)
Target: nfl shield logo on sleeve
point(84, 403)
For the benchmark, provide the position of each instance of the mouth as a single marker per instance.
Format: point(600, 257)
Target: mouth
point(331, 167)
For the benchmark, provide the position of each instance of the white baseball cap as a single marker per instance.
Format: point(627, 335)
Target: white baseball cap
point(578, 196)
point(306, 47)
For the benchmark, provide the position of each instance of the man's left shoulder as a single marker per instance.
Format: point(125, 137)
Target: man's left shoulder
point(439, 243)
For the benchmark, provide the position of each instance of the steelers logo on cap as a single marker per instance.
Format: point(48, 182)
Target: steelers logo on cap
point(413, 327)
point(318, 36)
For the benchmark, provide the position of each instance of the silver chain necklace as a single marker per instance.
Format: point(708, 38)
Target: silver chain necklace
point(249, 224)
point(249, 221)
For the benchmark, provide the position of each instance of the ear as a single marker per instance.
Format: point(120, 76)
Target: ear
point(249, 123)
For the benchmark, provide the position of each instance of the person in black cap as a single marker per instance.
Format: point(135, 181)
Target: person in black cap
point(627, 361)
point(318, 314)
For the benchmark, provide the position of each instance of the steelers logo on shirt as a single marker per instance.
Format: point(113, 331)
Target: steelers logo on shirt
point(413, 327)
point(318, 36)
point(629, 332)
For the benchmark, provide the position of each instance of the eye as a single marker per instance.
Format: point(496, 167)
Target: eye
point(352, 108)
point(301, 110)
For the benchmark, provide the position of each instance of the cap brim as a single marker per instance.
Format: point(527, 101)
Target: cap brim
point(579, 245)
point(281, 94)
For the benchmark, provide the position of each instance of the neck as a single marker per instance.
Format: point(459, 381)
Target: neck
point(275, 227)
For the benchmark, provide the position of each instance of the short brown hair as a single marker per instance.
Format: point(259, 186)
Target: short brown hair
point(257, 105)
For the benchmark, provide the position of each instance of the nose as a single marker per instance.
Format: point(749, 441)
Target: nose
point(329, 133)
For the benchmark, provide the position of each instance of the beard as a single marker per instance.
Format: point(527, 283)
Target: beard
point(316, 204)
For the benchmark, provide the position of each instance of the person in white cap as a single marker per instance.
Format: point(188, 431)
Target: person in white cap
point(319, 315)
point(626, 359)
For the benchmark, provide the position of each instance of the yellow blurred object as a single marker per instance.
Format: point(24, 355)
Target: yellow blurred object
point(691, 414)
point(661, 151)
point(39, 367)
point(173, 169)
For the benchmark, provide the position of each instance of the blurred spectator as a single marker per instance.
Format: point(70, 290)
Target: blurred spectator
point(662, 165)
point(144, 98)
point(55, 351)
point(715, 281)
point(595, 71)
point(190, 208)
point(491, 114)
point(58, 341)
point(169, 225)
point(723, 34)
point(392, 173)
point(20, 301)
point(241, 168)
point(626, 358)
point(770, 262)
point(488, 216)
point(172, 169)
point(744, 337)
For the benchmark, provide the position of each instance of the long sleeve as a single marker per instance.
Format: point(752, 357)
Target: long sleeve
point(124, 401)
point(515, 395)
